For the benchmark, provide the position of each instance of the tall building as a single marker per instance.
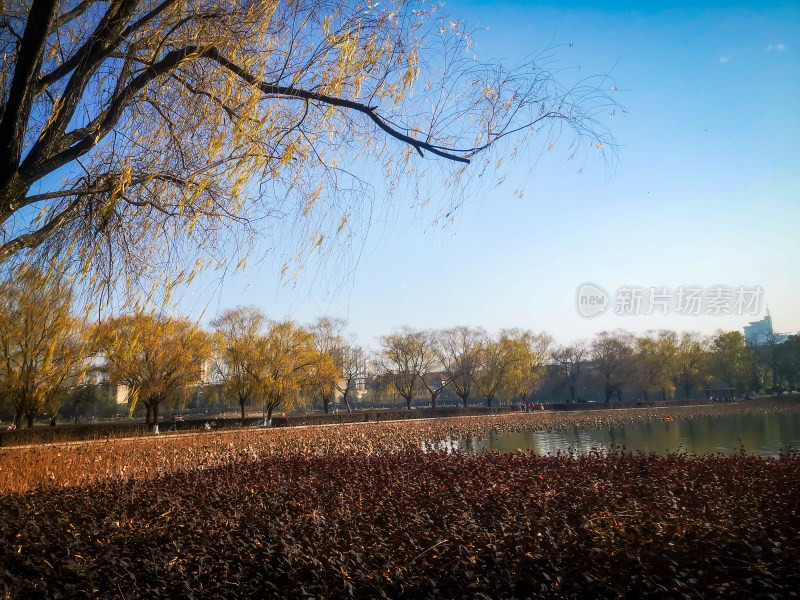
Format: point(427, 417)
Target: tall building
point(761, 332)
point(757, 332)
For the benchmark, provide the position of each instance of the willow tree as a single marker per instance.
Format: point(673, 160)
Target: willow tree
point(159, 359)
point(339, 363)
point(731, 360)
point(691, 362)
point(433, 377)
point(43, 347)
point(614, 360)
point(144, 136)
point(530, 352)
point(285, 363)
point(238, 332)
point(461, 350)
point(331, 347)
point(503, 363)
point(569, 361)
point(656, 357)
point(403, 355)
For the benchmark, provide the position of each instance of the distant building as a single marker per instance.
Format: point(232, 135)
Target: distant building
point(760, 332)
point(121, 395)
point(757, 332)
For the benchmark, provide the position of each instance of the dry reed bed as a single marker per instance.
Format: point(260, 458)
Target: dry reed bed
point(416, 525)
point(23, 469)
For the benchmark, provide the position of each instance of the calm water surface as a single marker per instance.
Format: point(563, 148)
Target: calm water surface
point(764, 435)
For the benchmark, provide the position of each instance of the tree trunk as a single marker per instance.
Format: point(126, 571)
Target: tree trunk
point(155, 418)
point(433, 400)
point(408, 403)
point(664, 392)
point(619, 393)
point(241, 405)
point(346, 401)
point(646, 397)
point(148, 419)
point(488, 401)
point(687, 387)
point(30, 417)
point(326, 404)
point(18, 418)
point(572, 393)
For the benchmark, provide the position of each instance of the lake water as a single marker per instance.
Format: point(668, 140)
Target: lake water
point(764, 435)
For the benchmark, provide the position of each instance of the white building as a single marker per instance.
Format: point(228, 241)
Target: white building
point(757, 332)
point(761, 332)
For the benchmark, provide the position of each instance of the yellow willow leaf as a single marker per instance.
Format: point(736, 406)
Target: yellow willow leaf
point(45, 211)
point(312, 198)
point(343, 223)
point(192, 224)
point(53, 116)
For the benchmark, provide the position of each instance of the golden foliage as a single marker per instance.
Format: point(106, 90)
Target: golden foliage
point(159, 359)
point(267, 363)
point(181, 127)
point(43, 347)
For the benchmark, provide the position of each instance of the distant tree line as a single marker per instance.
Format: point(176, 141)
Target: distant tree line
point(52, 359)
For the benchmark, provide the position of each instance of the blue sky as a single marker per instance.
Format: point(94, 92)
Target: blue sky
point(705, 191)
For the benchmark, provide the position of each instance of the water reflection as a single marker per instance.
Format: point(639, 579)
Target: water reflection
point(764, 435)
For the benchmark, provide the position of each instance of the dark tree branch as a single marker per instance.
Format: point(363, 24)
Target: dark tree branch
point(34, 239)
point(104, 189)
point(97, 47)
point(110, 117)
point(293, 92)
point(80, 55)
point(113, 50)
point(107, 119)
point(20, 96)
point(68, 16)
point(232, 115)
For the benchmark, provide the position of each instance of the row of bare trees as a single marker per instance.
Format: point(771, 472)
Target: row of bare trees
point(514, 364)
point(466, 360)
point(671, 364)
point(46, 350)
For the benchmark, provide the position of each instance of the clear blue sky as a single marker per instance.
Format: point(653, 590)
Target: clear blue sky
point(706, 189)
